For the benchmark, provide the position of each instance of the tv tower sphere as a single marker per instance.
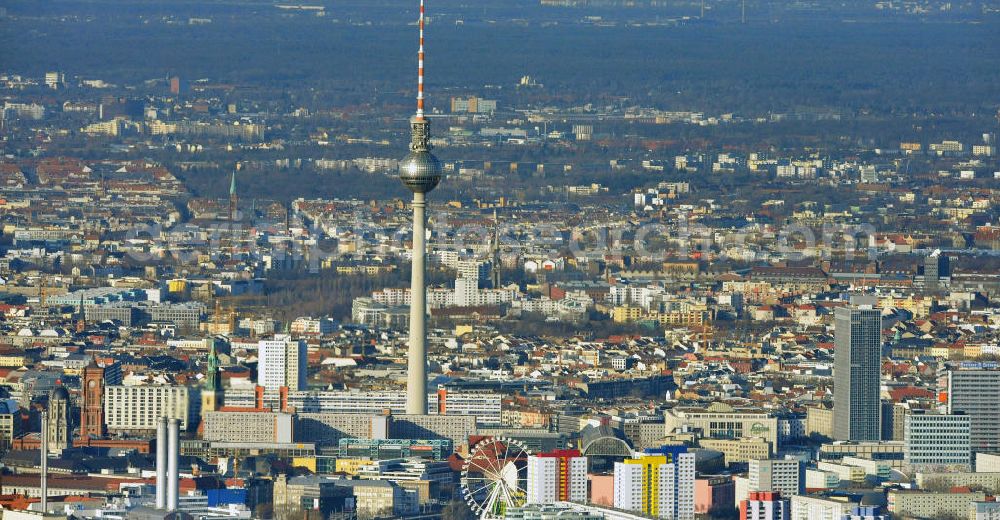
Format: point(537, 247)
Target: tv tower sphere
point(420, 171)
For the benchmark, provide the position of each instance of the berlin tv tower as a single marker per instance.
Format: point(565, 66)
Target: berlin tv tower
point(420, 171)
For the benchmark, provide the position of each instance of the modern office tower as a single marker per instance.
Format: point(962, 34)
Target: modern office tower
point(657, 484)
point(60, 436)
point(420, 172)
point(976, 392)
point(857, 409)
point(557, 476)
point(782, 476)
point(282, 361)
point(765, 505)
point(937, 440)
point(935, 269)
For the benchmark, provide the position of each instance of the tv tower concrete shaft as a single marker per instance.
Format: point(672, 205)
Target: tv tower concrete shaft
point(416, 381)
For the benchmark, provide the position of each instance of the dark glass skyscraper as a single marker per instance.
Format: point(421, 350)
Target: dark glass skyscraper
point(857, 410)
point(974, 389)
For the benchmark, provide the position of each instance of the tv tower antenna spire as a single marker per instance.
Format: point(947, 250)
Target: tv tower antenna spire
point(420, 66)
point(420, 172)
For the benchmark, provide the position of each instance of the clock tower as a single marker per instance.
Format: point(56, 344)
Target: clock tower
point(92, 407)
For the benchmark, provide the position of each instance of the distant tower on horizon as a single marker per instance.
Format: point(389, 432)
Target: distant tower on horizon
point(233, 198)
point(495, 267)
point(420, 172)
point(175, 85)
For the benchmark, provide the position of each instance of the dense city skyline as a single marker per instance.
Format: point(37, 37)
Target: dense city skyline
point(689, 260)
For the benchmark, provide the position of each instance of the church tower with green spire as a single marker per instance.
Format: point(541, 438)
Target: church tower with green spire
point(213, 381)
point(211, 392)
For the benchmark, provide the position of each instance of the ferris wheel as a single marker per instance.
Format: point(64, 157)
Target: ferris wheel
point(495, 476)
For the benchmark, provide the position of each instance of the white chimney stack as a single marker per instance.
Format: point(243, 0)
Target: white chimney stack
point(173, 449)
point(161, 463)
point(45, 462)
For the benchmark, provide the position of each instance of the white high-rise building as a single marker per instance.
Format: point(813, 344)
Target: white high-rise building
point(557, 476)
point(628, 486)
point(137, 409)
point(473, 269)
point(661, 485)
point(764, 505)
point(466, 292)
point(937, 440)
point(282, 362)
point(782, 476)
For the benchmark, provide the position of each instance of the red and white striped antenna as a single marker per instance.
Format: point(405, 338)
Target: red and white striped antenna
point(420, 67)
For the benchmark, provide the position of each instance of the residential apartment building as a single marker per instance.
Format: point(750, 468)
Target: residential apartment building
point(137, 409)
point(660, 485)
point(763, 505)
point(282, 362)
point(557, 476)
point(927, 504)
point(230, 425)
point(485, 406)
point(782, 476)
